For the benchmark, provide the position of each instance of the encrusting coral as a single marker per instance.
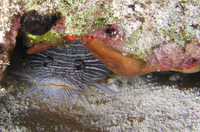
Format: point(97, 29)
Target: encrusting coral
point(135, 29)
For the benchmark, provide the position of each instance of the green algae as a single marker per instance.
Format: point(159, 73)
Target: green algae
point(83, 19)
point(79, 20)
point(49, 37)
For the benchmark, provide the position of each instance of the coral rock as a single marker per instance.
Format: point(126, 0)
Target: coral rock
point(173, 57)
point(113, 35)
point(9, 44)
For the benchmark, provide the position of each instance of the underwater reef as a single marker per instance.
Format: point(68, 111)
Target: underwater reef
point(135, 30)
point(127, 37)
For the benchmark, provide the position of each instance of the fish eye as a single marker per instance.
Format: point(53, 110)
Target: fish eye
point(79, 66)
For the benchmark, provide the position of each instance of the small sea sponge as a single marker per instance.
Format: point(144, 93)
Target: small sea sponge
point(60, 73)
point(36, 24)
point(36, 28)
point(113, 35)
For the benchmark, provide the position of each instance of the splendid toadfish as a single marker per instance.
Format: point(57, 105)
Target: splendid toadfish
point(63, 72)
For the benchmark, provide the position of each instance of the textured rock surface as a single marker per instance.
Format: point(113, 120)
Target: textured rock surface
point(143, 25)
point(146, 23)
point(8, 44)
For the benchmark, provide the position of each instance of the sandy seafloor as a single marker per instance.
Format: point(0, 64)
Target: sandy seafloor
point(143, 105)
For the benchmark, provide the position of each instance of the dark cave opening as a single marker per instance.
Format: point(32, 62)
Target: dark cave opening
point(182, 81)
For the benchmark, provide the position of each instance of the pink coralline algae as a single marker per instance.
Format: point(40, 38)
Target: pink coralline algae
point(59, 25)
point(113, 35)
point(193, 54)
point(170, 55)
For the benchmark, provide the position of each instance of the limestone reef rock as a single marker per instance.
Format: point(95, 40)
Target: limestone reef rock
point(135, 29)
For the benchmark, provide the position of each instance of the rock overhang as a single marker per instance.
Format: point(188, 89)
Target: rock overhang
point(136, 29)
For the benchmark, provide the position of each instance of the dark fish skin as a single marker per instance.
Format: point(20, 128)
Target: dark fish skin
point(74, 61)
point(63, 72)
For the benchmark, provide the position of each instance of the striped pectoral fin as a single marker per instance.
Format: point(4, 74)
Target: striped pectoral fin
point(31, 91)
